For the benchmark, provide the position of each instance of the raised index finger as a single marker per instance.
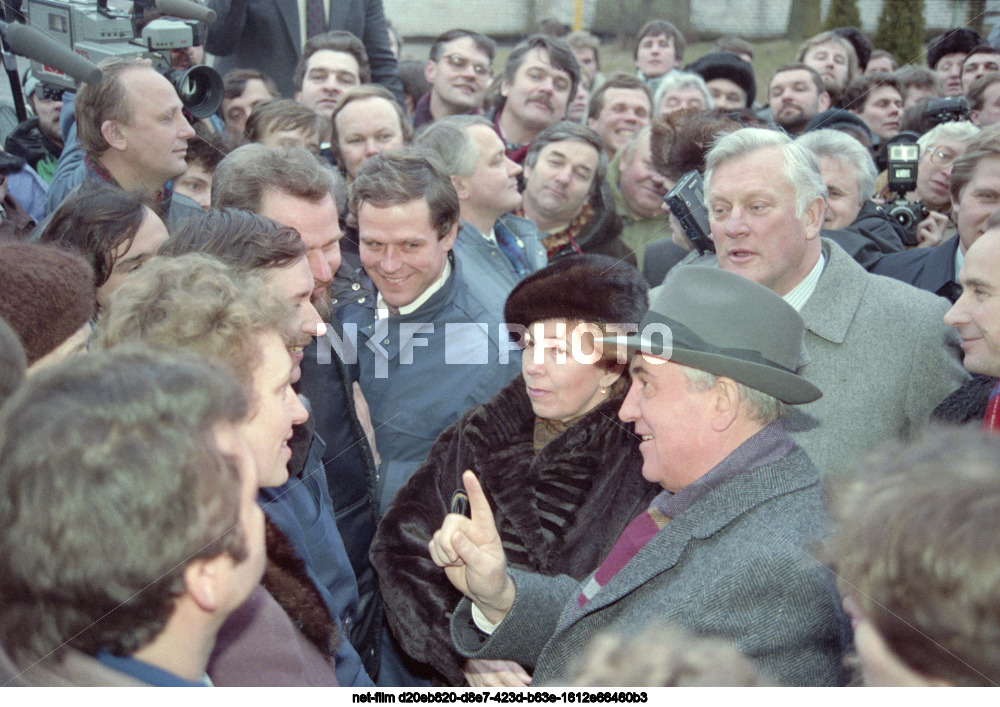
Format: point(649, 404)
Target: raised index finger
point(479, 507)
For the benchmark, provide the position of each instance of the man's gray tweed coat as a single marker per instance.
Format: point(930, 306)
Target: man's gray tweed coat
point(731, 565)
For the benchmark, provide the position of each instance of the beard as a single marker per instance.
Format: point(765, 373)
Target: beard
point(794, 121)
point(324, 304)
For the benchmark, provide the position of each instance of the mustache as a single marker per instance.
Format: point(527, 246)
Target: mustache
point(542, 99)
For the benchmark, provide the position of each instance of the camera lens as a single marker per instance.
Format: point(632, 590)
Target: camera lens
point(199, 88)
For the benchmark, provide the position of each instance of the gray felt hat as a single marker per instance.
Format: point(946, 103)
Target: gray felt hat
point(722, 323)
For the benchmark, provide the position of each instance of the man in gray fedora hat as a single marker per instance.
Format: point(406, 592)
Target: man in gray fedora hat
point(877, 348)
point(719, 551)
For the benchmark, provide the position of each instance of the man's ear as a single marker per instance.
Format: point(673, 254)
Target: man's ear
point(812, 219)
point(298, 97)
point(449, 239)
point(824, 101)
point(203, 581)
point(505, 88)
point(430, 71)
point(462, 186)
point(111, 131)
point(726, 403)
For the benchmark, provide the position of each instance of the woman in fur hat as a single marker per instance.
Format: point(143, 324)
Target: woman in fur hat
point(562, 473)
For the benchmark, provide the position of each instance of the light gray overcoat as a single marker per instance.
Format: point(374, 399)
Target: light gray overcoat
point(882, 355)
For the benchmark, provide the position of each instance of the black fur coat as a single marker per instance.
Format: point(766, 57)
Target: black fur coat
point(558, 512)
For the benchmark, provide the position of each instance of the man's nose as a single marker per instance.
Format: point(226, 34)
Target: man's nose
point(629, 411)
point(390, 262)
point(185, 131)
point(298, 410)
point(320, 268)
point(313, 321)
point(956, 316)
point(736, 224)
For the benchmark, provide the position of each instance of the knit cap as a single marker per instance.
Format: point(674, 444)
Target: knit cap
point(46, 294)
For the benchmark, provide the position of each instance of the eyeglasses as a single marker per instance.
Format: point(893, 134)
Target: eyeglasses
point(458, 63)
point(942, 156)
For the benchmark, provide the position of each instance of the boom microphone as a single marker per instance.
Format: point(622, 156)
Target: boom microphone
point(36, 45)
point(186, 10)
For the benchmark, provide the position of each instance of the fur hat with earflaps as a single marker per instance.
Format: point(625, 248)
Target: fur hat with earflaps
point(960, 40)
point(586, 287)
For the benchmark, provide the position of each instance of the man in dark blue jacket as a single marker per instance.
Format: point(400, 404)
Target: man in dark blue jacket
point(291, 187)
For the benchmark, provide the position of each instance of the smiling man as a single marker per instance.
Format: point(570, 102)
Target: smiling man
point(877, 348)
point(976, 314)
point(538, 82)
point(253, 244)
point(290, 186)
point(619, 108)
point(566, 196)
point(719, 550)
point(426, 325)
point(458, 70)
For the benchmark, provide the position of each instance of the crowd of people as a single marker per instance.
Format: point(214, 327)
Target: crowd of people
point(446, 373)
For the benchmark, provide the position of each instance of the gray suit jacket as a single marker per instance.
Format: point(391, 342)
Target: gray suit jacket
point(264, 35)
point(731, 565)
point(881, 354)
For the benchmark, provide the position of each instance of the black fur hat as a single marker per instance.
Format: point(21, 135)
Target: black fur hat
point(961, 39)
point(720, 65)
point(862, 45)
point(588, 287)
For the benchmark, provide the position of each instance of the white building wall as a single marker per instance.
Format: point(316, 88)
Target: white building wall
point(752, 19)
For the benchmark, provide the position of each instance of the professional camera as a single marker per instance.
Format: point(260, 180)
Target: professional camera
point(947, 110)
point(903, 159)
point(97, 32)
point(686, 202)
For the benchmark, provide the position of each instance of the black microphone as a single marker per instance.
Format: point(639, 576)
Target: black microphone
point(186, 10)
point(35, 44)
